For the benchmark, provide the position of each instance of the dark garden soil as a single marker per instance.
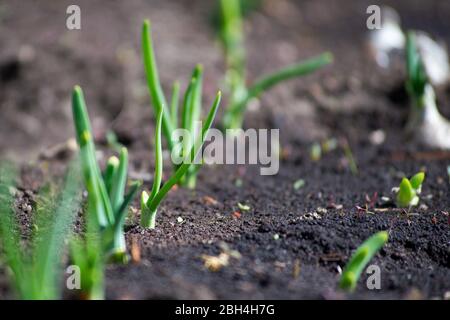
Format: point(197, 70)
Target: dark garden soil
point(291, 242)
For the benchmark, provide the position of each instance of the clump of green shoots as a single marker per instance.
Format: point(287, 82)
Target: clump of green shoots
point(35, 267)
point(150, 202)
point(232, 38)
point(409, 191)
point(172, 118)
point(425, 123)
point(360, 259)
point(106, 192)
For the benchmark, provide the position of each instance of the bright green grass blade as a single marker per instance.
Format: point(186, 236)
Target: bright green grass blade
point(98, 196)
point(174, 104)
point(10, 247)
point(154, 85)
point(155, 201)
point(119, 182)
point(360, 259)
point(110, 173)
point(50, 239)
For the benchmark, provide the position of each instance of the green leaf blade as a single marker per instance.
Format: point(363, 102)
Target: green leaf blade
point(360, 259)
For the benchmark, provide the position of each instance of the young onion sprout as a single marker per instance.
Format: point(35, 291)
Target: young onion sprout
point(106, 192)
point(409, 191)
point(360, 259)
point(173, 118)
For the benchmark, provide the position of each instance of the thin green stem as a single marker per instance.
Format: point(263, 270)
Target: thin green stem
point(147, 216)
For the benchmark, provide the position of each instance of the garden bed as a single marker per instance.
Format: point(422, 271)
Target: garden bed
point(291, 241)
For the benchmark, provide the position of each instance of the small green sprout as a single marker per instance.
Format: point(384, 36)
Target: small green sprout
point(172, 118)
point(409, 190)
point(36, 269)
point(106, 193)
point(243, 207)
point(232, 38)
point(298, 184)
point(150, 202)
point(360, 259)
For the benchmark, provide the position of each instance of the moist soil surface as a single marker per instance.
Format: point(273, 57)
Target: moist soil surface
point(292, 242)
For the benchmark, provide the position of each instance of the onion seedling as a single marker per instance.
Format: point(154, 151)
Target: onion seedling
point(150, 202)
point(409, 190)
point(106, 192)
point(36, 269)
point(232, 38)
point(360, 259)
point(172, 118)
point(425, 123)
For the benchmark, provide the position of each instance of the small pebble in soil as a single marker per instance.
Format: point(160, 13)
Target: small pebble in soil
point(210, 200)
point(377, 137)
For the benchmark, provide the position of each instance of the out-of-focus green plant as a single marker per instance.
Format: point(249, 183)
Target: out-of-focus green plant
point(417, 78)
point(106, 193)
point(425, 122)
point(232, 38)
point(87, 253)
point(409, 190)
point(360, 259)
point(36, 268)
point(172, 118)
